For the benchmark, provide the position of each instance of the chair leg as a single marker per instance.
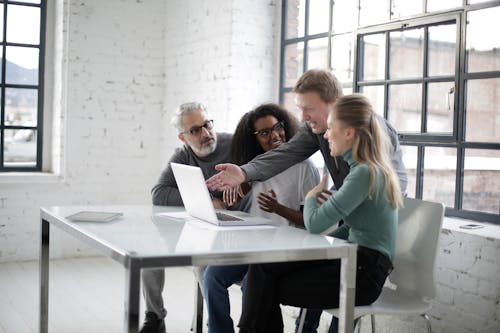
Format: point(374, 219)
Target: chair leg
point(428, 322)
point(302, 320)
point(372, 319)
point(357, 325)
point(197, 321)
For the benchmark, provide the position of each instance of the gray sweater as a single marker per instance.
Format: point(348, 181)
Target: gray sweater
point(166, 193)
point(304, 144)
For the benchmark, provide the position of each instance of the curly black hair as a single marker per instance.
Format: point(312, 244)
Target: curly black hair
point(245, 145)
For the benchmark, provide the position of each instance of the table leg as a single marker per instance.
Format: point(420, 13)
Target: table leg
point(44, 277)
point(132, 292)
point(347, 291)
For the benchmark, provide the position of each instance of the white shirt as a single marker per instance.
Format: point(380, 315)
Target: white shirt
point(290, 186)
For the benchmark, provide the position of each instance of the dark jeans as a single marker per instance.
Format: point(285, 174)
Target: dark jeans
point(306, 284)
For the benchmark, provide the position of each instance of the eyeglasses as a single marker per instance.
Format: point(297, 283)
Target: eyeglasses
point(265, 132)
point(196, 130)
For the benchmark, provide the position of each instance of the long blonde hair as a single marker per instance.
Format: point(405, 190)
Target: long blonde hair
point(370, 144)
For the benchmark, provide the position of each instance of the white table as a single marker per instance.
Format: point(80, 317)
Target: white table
point(142, 239)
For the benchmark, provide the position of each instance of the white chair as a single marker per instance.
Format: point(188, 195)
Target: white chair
point(414, 265)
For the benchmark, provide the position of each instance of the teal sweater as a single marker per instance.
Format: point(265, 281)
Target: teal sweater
point(369, 222)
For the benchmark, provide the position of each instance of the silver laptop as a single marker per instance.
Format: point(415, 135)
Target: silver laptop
point(198, 203)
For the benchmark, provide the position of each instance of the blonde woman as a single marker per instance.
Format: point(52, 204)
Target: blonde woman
point(367, 202)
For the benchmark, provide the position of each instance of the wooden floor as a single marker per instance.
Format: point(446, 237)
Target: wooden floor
point(86, 295)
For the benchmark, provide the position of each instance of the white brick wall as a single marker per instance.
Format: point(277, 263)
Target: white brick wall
point(123, 72)
point(110, 125)
point(225, 56)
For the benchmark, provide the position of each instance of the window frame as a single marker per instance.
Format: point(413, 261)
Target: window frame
point(39, 128)
point(456, 139)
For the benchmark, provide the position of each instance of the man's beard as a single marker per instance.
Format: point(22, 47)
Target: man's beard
point(205, 150)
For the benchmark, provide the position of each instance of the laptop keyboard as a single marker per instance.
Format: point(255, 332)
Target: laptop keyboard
point(226, 217)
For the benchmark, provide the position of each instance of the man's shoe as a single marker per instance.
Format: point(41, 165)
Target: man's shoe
point(152, 324)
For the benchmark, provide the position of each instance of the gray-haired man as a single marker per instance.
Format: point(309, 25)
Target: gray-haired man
point(204, 148)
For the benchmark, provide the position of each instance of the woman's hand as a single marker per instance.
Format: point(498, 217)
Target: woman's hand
point(267, 201)
point(319, 192)
point(232, 195)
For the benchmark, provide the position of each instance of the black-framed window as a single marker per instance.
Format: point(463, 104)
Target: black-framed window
point(432, 68)
point(22, 50)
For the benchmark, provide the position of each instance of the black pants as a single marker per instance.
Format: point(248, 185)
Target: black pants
point(306, 284)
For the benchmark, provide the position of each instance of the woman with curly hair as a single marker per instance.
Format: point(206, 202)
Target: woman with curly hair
point(278, 198)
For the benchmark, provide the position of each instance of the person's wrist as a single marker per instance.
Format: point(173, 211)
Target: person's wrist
point(278, 209)
point(244, 173)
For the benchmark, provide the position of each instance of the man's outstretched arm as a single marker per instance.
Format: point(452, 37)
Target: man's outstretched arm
point(229, 176)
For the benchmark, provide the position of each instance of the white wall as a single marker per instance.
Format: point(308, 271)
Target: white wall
point(123, 67)
point(225, 56)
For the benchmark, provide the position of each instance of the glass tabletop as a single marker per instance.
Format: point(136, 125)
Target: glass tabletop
point(143, 231)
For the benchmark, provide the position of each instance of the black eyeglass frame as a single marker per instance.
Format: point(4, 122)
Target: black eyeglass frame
point(265, 132)
point(196, 130)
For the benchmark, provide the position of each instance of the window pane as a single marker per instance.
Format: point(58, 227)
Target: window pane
point(319, 16)
point(296, 13)
point(440, 166)
point(294, 63)
point(482, 181)
point(410, 157)
point(290, 105)
point(317, 53)
point(21, 106)
point(405, 105)
point(343, 57)
point(347, 90)
point(345, 16)
point(23, 24)
point(433, 5)
point(373, 11)
point(483, 111)
point(1, 23)
point(442, 48)
point(406, 53)
point(20, 148)
point(376, 96)
point(406, 8)
point(483, 52)
point(373, 57)
point(440, 107)
point(22, 65)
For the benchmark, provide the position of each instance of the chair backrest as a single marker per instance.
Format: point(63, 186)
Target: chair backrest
point(416, 247)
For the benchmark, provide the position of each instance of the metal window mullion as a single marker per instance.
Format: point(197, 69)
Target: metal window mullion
point(425, 74)
point(284, 20)
point(355, 85)
point(360, 62)
point(306, 40)
point(460, 117)
point(2, 90)
point(25, 4)
point(387, 75)
point(41, 85)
